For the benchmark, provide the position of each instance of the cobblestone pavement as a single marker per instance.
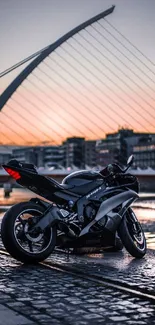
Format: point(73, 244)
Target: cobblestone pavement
point(37, 295)
point(32, 295)
point(120, 267)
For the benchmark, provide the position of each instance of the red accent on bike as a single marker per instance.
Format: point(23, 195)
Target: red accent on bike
point(13, 173)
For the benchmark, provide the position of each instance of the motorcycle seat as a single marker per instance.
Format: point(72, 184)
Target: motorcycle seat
point(61, 186)
point(66, 186)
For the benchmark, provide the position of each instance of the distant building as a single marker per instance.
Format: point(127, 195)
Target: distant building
point(117, 147)
point(25, 154)
point(40, 156)
point(52, 156)
point(74, 152)
point(112, 149)
point(81, 153)
point(5, 154)
point(90, 154)
point(144, 153)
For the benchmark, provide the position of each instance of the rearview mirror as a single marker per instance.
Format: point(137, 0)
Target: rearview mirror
point(130, 160)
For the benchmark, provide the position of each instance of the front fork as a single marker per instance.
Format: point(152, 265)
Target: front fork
point(135, 224)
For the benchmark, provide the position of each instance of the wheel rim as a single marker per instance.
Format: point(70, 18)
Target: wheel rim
point(135, 230)
point(35, 243)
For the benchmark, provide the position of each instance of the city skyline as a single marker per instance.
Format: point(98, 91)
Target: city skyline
point(99, 109)
point(81, 153)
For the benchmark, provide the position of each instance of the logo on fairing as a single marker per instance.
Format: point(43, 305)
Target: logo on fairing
point(98, 189)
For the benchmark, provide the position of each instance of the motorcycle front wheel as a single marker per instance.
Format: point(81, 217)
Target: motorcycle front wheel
point(132, 234)
point(19, 242)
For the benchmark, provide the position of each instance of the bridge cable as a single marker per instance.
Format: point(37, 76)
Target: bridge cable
point(111, 72)
point(109, 79)
point(51, 99)
point(91, 81)
point(110, 24)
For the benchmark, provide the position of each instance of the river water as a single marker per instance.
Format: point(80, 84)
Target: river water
point(144, 209)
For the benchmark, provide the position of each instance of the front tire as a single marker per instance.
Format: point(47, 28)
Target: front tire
point(132, 235)
point(16, 239)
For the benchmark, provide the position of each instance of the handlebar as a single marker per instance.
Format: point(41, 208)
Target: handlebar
point(112, 169)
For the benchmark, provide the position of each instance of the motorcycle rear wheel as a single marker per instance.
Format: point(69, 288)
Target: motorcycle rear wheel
point(132, 234)
point(21, 245)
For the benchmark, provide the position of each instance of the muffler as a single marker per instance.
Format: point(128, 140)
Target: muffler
point(52, 217)
point(62, 226)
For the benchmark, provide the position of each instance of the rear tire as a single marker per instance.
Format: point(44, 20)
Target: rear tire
point(13, 241)
point(132, 235)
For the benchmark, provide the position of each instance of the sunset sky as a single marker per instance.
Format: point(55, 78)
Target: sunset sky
point(83, 89)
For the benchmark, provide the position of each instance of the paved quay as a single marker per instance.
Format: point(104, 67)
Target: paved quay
point(39, 295)
point(119, 267)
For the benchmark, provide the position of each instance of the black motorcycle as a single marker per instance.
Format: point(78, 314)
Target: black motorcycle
point(88, 209)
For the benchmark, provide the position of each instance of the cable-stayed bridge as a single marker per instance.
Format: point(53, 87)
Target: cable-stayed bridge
point(91, 81)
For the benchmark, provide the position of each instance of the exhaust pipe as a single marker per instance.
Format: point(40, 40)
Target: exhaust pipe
point(67, 230)
point(51, 217)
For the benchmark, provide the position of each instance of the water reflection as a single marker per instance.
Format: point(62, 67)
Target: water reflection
point(145, 214)
point(17, 195)
point(150, 238)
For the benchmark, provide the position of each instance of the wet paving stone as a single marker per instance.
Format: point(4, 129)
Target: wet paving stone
point(38, 295)
point(120, 267)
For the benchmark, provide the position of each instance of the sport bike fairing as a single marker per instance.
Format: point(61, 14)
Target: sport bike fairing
point(52, 190)
point(123, 199)
point(81, 187)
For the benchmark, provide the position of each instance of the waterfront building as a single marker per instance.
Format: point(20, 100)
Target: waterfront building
point(90, 153)
point(40, 156)
point(144, 153)
point(117, 147)
point(52, 156)
point(5, 154)
point(74, 152)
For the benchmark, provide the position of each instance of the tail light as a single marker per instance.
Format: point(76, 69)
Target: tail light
point(13, 173)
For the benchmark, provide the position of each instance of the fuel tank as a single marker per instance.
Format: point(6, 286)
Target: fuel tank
point(83, 181)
